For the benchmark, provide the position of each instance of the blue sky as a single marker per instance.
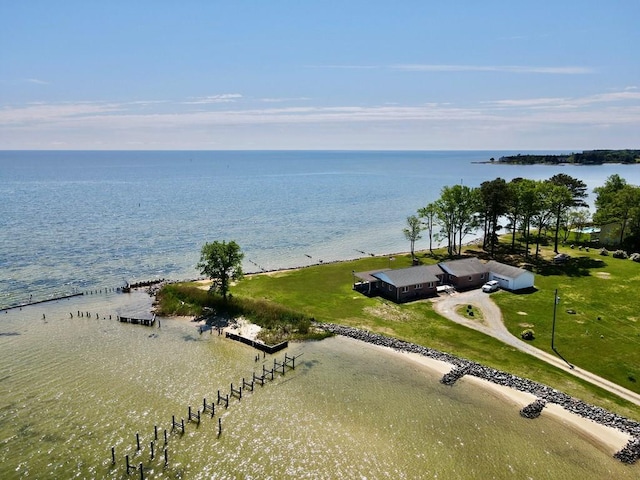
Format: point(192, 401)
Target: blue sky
point(552, 75)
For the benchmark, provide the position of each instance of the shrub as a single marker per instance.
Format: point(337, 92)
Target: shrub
point(620, 254)
point(528, 334)
point(604, 252)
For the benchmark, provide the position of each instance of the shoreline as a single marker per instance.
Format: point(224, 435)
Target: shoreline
point(608, 439)
point(617, 435)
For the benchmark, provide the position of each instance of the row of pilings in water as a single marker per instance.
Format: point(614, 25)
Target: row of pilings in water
point(159, 447)
point(544, 394)
point(76, 293)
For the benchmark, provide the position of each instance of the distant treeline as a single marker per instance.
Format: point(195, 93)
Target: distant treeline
point(588, 157)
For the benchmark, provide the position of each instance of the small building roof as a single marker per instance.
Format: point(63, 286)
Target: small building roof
point(404, 277)
point(369, 276)
point(464, 267)
point(506, 270)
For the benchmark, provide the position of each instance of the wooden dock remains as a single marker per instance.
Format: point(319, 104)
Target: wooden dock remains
point(147, 322)
point(263, 347)
point(158, 453)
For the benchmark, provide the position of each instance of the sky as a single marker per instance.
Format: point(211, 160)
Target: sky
point(321, 75)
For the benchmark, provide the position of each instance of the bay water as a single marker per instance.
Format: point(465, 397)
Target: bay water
point(74, 386)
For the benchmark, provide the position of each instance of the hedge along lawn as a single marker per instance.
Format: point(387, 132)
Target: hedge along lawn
point(603, 335)
point(325, 293)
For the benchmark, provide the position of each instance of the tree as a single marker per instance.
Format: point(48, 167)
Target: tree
point(428, 213)
point(617, 201)
point(578, 191)
point(548, 196)
point(495, 200)
point(526, 205)
point(222, 263)
point(456, 213)
point(412, 232)
point(577, 219)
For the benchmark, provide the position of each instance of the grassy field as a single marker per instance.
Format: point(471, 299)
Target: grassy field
point(591, 285)
point(597, 316)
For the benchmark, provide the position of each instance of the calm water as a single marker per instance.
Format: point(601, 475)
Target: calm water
point(82, 220)
point(74, 387)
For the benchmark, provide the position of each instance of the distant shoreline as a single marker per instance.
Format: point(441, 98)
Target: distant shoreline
point(587, 157)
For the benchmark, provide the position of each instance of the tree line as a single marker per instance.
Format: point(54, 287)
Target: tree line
point(588, 157)
point(531, 208)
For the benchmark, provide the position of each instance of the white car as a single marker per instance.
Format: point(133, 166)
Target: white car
point(490, 286)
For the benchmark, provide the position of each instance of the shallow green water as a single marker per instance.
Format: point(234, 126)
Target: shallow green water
point(71, 388)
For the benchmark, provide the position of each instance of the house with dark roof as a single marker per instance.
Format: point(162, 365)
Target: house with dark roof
point(412, 283)
point(465, 273)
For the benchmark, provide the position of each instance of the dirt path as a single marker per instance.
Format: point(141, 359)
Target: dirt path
point(493, 325)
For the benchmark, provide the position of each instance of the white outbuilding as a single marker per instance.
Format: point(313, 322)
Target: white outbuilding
point(509, 277)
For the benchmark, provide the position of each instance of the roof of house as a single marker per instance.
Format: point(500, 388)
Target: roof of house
point(506, 270)
point(404, 277)
point(464, 267)
point(368, 276)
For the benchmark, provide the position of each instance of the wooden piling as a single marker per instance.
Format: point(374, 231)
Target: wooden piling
point(219, 426)
point(236, 392)
point(155, 432)
point(247, 384)
point(206, 407)
point(141, 472)
point(113, 455)
point(166, 458)
point(138, 441)
point(165, 436)
point(152, 450)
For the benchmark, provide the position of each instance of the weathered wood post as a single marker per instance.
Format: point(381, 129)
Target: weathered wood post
point(166, 458)
point(138, 441)
point(141, 472)
point(165, 436)
point(152, 451)
point(155, 432)
point(219, 426)
point(113, 455)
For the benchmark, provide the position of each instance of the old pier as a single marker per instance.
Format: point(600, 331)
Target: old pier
point(194, 416)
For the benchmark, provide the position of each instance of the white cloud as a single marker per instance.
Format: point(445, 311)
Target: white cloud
point(36, 81)
point(173, 123)
point(567, 70)
point(224, 98)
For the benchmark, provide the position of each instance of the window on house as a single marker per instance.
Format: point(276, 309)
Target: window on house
point(470, 278)
point(482, 276)
point(390, 288)
point(405, 289)
point(418, 286)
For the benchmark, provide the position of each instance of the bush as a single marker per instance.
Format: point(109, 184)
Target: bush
point(528, 334)
point(620, 254)
point(604, 252)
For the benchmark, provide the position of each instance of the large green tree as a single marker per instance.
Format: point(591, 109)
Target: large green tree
point(412, 232)
point(617, 201)
point(456, 212)
point(428, 214)
point(495, 201)
point(222, 263)
point(578, 191)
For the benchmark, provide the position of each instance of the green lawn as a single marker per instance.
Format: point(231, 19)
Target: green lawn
point(603, 335)
point(324, 292)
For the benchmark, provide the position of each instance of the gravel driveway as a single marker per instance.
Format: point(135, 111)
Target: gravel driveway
point(492, 324)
